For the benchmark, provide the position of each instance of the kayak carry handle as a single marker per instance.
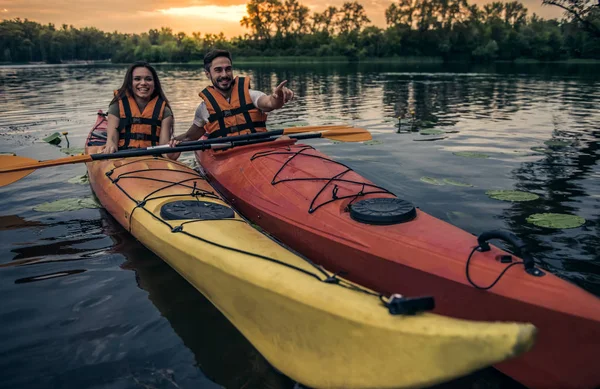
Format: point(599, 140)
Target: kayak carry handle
point(400, 305)
point(519, 245)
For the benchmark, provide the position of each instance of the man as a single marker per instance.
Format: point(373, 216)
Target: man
point(229, 106)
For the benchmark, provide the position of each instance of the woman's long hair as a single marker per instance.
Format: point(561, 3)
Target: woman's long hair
point(128, 81)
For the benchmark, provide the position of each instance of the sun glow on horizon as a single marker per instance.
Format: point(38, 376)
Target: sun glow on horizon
point(230, 13)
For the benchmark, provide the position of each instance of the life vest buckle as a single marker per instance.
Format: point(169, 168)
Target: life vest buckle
point(233, 129)
point(136, 120)
point(227, 113)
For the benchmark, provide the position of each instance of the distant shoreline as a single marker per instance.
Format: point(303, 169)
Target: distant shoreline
point(318, 60)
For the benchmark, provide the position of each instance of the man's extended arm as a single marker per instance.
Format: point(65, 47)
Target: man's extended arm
point(276, 100)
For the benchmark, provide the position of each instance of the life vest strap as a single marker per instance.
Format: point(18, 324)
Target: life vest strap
point(223, 132)
point(242, 97)
point(127, 127)
point(124, 122)
point(229, 112)
point(155, 115)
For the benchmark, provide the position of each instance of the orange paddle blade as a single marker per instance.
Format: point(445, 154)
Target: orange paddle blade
point(349, 134)
point(13, 168)
point(300, 130)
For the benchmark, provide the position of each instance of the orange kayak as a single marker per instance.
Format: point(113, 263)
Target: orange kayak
point(344, 222)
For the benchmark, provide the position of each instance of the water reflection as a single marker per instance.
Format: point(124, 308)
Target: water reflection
point(220, 350)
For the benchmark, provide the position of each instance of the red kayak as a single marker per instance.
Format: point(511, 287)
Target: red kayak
point(344, 222)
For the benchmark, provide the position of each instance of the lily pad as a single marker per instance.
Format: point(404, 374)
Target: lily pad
point(431, 180)
point(556, 220)
point(450, 181)
point(79, 180)
point(557, 143)
point(431, 132)
point(53, 139)
point(538, 149)
point(373, 142)
point(429, 139)
point(452, 132)
point(72, 150)
point(471, 154)
point(427, 124)
point(512, 195)
point(71, 204)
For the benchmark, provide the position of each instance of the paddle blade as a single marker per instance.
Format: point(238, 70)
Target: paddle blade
point(12, 161)
point(349, 134)
point(301, 130)
point(13, 168)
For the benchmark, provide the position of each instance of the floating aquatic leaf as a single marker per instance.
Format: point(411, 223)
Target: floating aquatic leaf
point(457, 214)
point(427, 124)
point(72, 150)
point(450, 181)
point(452, 132)
point(431, 180)
point(431, 132)
point(470, 154)
point(556, 220)
point(429, 139)
point(79, 180)
point(538, 149)
point(373, 142)
point(512, 195)
point(53, 139)
point(72, 204)
point(557, 143)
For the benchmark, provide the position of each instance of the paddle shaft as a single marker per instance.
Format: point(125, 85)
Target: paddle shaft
point(187, 146)
point(230, 141)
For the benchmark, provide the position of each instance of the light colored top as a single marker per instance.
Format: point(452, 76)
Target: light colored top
point(201, 115)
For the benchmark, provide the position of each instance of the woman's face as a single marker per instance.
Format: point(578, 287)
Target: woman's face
point(143, 83)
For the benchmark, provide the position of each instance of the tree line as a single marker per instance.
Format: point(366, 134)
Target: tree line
point(451, 29)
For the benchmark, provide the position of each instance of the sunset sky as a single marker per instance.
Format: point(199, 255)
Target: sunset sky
point(134, 16)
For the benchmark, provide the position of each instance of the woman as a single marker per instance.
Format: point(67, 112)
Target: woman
point(139, 115)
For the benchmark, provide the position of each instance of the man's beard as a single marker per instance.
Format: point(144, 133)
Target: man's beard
point(218, 86)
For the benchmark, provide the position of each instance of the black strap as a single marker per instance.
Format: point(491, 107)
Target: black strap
point(215, 106)
point(232, 112)
point(123, 122)
point(127, 127)
point(242, 98)
point(155, 115)
point(223, 132)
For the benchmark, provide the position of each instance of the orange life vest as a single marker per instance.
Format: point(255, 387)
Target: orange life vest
point(236, 117)
point(139, 129)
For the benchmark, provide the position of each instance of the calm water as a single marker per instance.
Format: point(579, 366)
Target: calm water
point(84, 305)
